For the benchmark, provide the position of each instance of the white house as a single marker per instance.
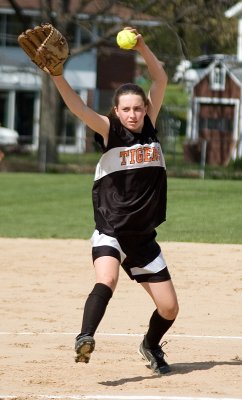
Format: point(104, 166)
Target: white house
point(90, 74)
point(20, 84)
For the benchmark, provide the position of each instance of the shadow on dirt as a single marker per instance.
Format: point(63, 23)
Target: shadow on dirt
point(176, 369)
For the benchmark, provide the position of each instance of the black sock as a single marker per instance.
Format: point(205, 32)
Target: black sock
point(157, 328)
point(95, 307)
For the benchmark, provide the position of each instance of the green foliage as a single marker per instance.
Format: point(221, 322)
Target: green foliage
point(237, 164)
point(188, 29)
point(174, 106)
point(60, 206)
point(176, 95)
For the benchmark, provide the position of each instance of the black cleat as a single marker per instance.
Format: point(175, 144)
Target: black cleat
point(84, 346)
point(156, 358)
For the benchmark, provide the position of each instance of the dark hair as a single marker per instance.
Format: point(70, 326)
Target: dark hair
point(127, 88)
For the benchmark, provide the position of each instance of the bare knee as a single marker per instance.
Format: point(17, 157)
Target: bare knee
point(109, 281)
point(170, 311)
point(107, 271)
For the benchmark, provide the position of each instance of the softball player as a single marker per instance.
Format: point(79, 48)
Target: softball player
point(129, 200)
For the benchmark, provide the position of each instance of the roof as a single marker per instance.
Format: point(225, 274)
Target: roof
point(92, 7)
point(234, 70)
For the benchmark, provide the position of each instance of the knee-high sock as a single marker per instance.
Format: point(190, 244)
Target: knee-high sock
point(95, 308)
point(157, 328)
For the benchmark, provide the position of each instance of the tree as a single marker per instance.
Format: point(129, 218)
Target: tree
point(190, 28)
point(182, 29)
point(63, 15)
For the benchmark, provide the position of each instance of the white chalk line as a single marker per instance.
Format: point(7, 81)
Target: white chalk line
point(118, 397)
point(110, 397)
point(215, 337)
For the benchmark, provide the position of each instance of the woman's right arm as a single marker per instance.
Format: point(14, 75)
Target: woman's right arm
point(97, 122)
point(158, 77)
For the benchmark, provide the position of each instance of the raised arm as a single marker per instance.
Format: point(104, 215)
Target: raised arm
point(48, 49)
point(158, 77)
point(97, 122)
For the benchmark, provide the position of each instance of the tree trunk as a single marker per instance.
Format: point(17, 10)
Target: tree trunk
point(49, 123)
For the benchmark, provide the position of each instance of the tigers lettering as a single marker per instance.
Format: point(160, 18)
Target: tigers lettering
point(141, 154)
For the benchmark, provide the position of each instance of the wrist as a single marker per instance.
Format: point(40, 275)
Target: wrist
point(142, 48)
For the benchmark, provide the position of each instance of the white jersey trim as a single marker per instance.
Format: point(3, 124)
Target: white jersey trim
point(126, 158)
point(158, 264)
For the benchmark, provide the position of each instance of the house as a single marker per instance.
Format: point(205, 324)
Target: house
point(215, 113)
point(20, 83)
point(89, 73)
point(214, 119)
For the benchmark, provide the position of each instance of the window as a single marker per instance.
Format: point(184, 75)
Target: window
point(68, 134)
point(10, 28)
point(217, 78)
point(219, 124)
point(4, 108)
point(78, 35)
point(24, 116)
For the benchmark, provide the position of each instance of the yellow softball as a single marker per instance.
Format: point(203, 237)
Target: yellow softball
point(126, 39)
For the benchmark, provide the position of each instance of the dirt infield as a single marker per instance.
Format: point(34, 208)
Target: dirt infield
point(43, 286)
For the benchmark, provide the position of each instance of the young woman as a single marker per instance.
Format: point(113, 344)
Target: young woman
point(129, 200)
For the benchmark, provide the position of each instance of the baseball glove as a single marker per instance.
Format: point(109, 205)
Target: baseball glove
point(46, 47)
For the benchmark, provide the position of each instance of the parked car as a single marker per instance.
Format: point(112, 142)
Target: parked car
point(8, 137)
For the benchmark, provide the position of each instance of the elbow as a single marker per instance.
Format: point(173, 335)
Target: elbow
point(163, 78)
point(163, 72)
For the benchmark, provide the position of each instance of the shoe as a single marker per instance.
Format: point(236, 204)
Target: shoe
point(155, 358)
point(84, 346)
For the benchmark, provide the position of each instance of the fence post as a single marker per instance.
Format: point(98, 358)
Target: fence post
point(203, 158)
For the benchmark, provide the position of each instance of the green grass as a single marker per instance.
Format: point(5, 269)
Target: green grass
point(203, 211)
point(45, 206)
point(60, 206)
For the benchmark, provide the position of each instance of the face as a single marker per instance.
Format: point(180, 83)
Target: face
point(131, 111)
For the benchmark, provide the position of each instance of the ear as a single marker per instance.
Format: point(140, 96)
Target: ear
point(116, 111)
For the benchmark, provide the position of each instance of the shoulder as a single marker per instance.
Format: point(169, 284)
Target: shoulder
point(114, 123)
point(148, 125)
point(115, 128)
